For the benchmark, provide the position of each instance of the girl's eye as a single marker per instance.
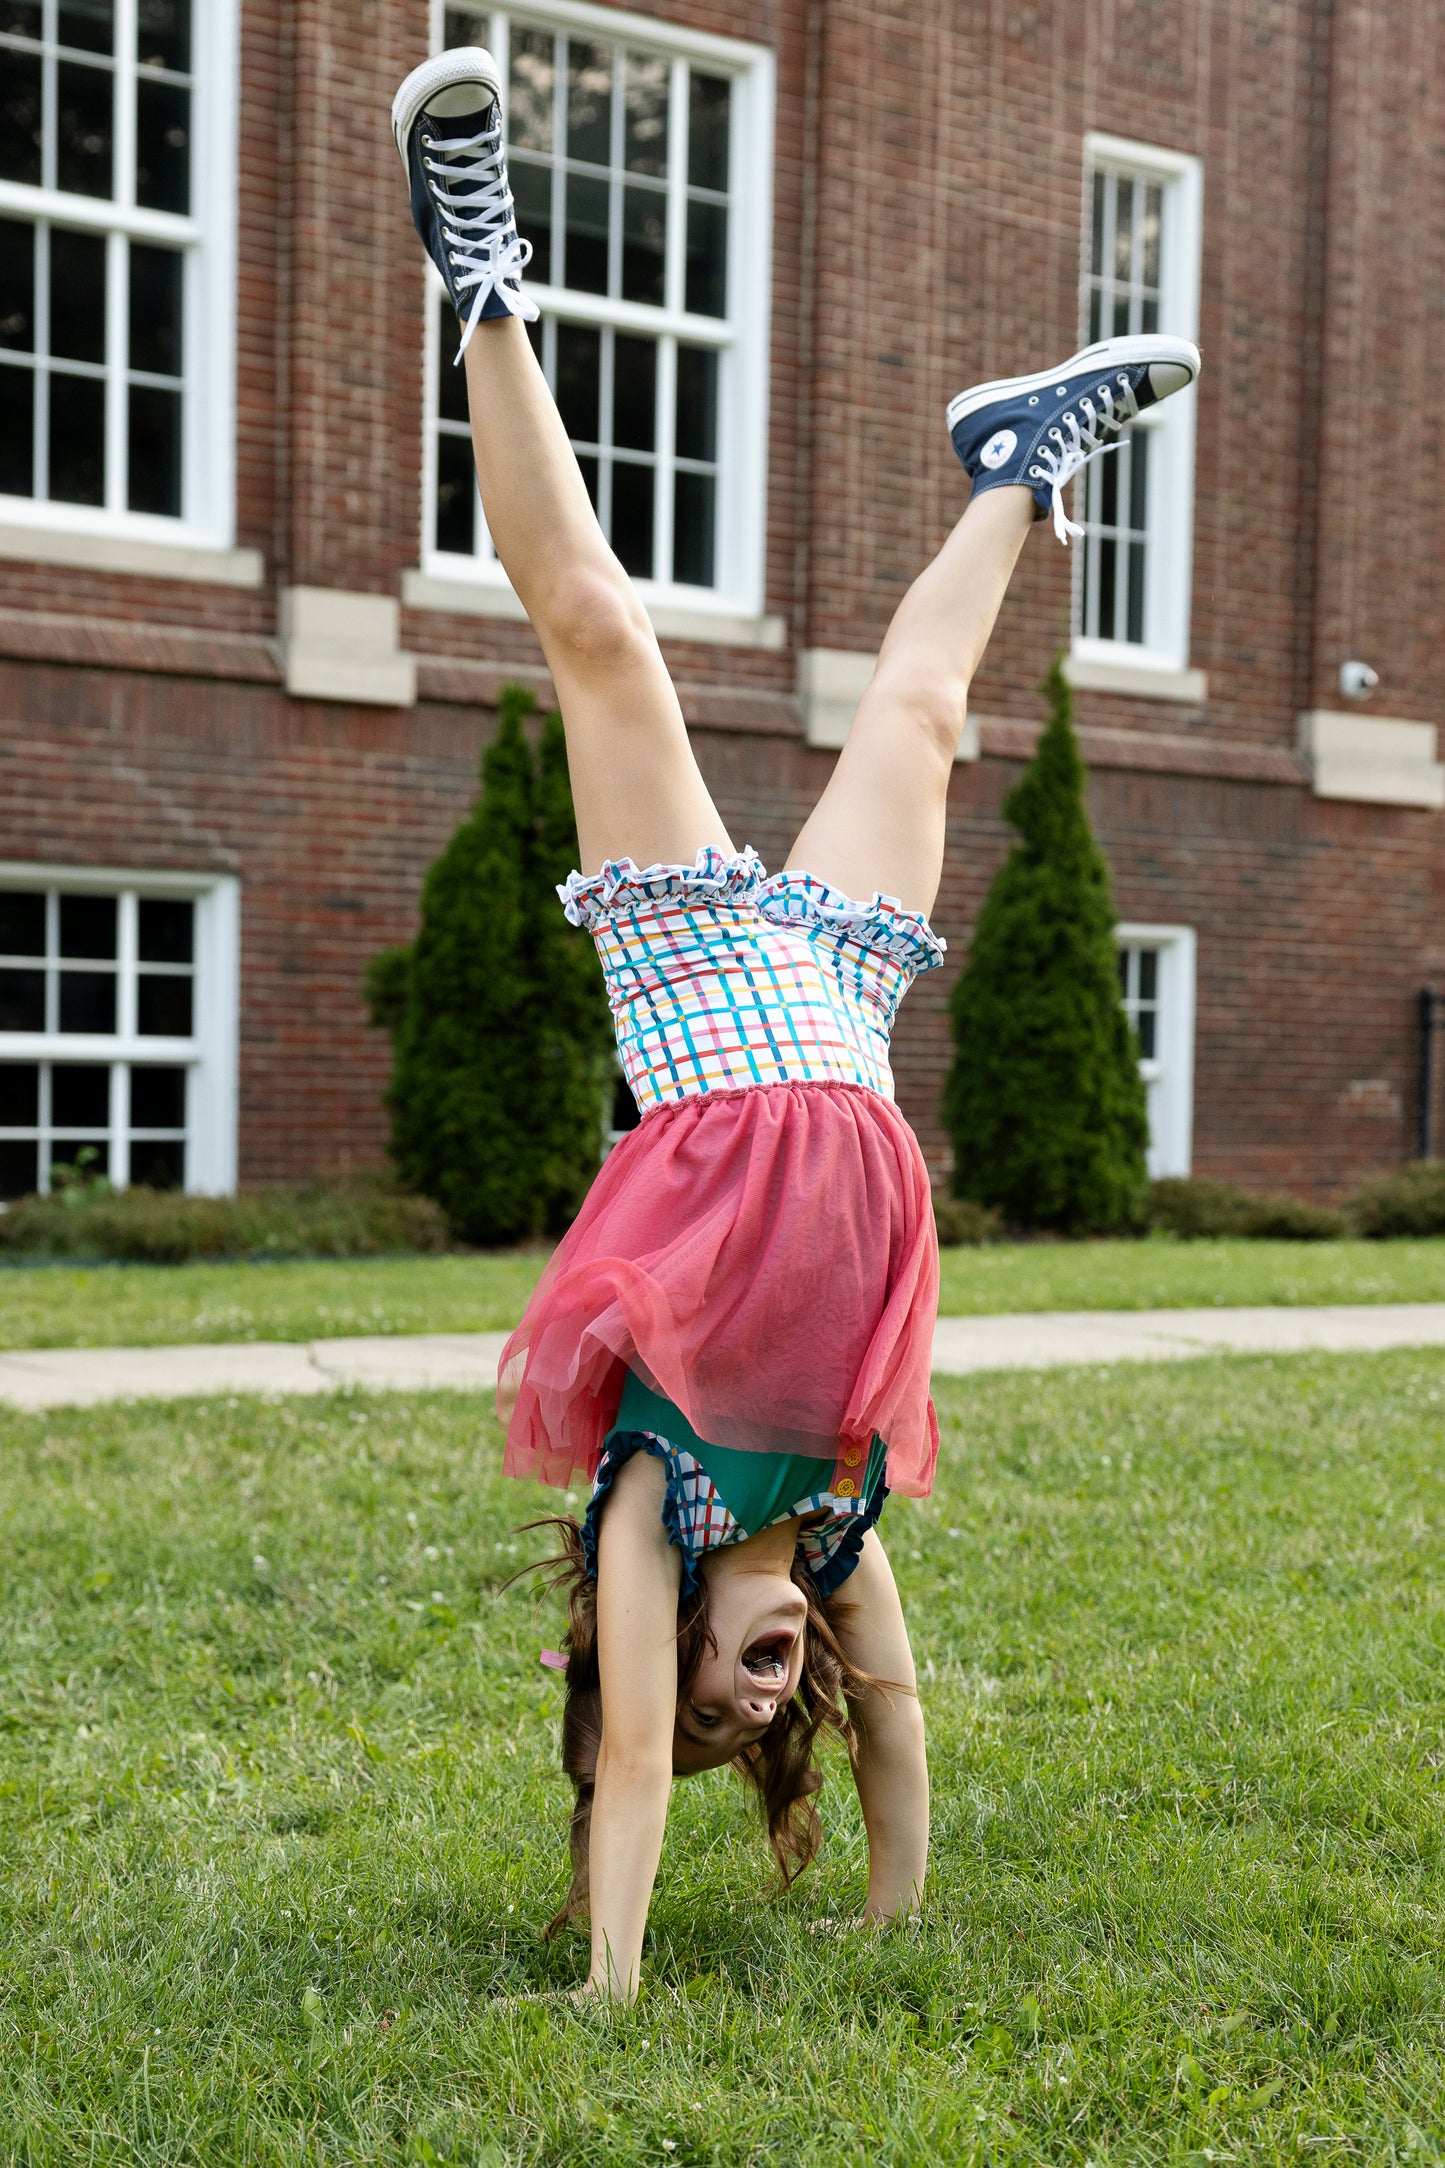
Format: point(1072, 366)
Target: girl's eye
point(704, 1719)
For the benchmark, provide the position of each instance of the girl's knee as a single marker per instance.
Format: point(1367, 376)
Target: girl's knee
point(931, 707)
point(594, 619)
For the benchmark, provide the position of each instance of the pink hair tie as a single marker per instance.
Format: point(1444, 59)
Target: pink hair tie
point(554, 1659)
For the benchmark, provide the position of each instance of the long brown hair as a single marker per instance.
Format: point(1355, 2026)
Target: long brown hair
point(781, 1767)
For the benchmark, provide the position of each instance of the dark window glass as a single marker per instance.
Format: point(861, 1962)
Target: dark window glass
point(20, 18)
point(19, 1170)
point(167, 930)
point(22, 1000)
point(89, 25)
point(456, 495)
point(707, 258)
point(158, 1098)
point(694, 530)
point(697, 374)
point(467, 26)
point(163, 1007)
point(154, 451)
point(1136, 452)
point(20, 119)
point(709, 105)
point(17, 433)
point(158, 1163)
point(1153, 211)
point(17, 290)
point(162, 146)
point(77, 439)
point(632, 499)
point(529, 109)
point(624, 1107)
point(87, 926)
point(90, 1156)
point(163, 34)
point(1121, 316)
point(644, 245)
point(19, 1094)
point(1146, 1029)
point(85, 97)
point(587, 465)
point(1124, 972)
point(1135, 628)
point(587, 202)
point(77, 295)
point(532, 193)
point(452, 399)
point(22, 923)
point(1148, 974)
point(1108, 473)
point(589, 102)
point(644, 147)
point(579, 376)
point(156, 291)
point(1123, 230)
point(79, 1097)
point(87, 1001)
point(1096, 248)
point(1149, 316)
point(634, 393)
point(1107, 560)
point(1096, 304)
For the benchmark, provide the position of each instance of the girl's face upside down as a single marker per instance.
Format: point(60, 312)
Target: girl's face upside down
point(757, 1619)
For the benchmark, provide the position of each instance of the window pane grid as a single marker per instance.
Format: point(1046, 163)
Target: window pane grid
point(1139, 991)
point(620, 164)
point(77, 966)
point(1122, 288)
point(96, 104)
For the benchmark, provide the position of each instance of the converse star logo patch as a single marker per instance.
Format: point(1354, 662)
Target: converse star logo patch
point(1000, 447)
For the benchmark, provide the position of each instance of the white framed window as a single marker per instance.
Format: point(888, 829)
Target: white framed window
point(117, 209)
point(1142, 237)
point(119, 999)
point(1156, 984)
point(640, 157)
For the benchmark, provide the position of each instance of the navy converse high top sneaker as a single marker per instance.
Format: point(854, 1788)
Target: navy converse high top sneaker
point(1042, 430)
point(447, 121)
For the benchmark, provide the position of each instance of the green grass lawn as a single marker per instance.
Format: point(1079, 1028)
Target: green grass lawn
point(148, 1305)
point(280, 1817)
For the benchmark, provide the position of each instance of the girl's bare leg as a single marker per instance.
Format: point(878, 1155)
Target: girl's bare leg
point(879, 824)
point(637, 788)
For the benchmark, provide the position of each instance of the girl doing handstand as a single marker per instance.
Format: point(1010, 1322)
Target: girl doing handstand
point(732, 1342)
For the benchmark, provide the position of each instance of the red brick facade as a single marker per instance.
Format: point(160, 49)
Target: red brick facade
point(928, 206)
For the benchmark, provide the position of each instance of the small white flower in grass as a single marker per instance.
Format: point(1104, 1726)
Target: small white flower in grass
point(262, 1565)
point(431, 1551)
point(437, 1596)
point(383, 1580)
point(411, 1520)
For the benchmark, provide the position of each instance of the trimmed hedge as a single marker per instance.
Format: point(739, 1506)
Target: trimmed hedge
point(363, 1216)
point(962, 1224)
point(1198, 1210)
point(1411, 1201)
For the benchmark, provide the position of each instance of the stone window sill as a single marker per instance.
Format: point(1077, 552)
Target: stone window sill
point(95, 552)
point(1138, 681)
point(670, 621)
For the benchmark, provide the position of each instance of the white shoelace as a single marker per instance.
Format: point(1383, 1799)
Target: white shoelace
point(1099, 432)
point(480, 229)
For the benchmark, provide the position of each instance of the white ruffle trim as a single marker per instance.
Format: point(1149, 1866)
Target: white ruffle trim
point(905, 937)
point(787, 899)
point(713, 878)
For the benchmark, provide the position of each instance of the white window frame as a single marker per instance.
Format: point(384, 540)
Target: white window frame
point(1169, 1074)
point(743, 335)
point(1169, 507)
point(207, 236)
point(212, 1052)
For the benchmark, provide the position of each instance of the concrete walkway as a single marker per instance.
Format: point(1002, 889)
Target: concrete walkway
point(467, 1362)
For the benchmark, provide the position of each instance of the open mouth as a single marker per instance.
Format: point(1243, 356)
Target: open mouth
point(766, 1660)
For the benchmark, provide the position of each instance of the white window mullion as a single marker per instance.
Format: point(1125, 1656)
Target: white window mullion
point(127, 947)
point(43, 1151)
point(674, 276)
point(49, 94)
point(559, 152)
point(120, 1124)
point(666, 425)
point(126, 38)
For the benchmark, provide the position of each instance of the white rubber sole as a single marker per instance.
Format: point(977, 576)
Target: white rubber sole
point(463, 64)
point(1145, 348)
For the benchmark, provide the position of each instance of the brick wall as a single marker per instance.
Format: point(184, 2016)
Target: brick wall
point(928, 192)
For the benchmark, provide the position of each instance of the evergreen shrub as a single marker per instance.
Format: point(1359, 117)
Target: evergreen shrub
point(1199, 1210)
point(962, 1224)
point(499, 1022)
point(364, 1215)
point(1044, 1100)
point(1410, 1201)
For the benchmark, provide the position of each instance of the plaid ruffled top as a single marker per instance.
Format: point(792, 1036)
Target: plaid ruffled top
point(721, 977)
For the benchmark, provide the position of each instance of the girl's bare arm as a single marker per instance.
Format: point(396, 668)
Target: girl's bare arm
point(891, 1764)
point(637, 1584)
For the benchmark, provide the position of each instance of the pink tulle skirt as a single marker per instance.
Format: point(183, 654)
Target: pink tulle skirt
point(765, 1259)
